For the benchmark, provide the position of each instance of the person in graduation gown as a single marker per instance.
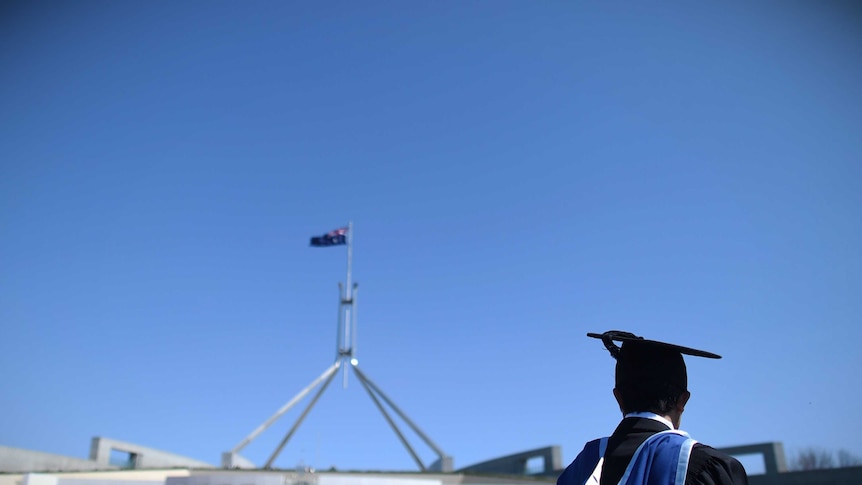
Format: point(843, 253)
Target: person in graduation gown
point(647, 446)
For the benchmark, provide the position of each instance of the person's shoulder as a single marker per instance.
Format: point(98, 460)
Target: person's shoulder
point(707, 450)
point(593, 447)
point(583, 465)
point(713, 466)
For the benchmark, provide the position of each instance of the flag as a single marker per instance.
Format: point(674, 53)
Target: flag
point(331, 238)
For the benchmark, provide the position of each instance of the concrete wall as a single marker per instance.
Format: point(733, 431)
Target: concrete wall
point(100, 452)
point(375, 480)
point(832, 476)
point(95, 481)
point(106, 477)
point(134, 476)
point(11, 479)
point(17, 460)
point(259, 477)
point(232, 460)
point(516, 464)
point(287, 477)
point(772, 453)
point(776, 473)
point(39, 479)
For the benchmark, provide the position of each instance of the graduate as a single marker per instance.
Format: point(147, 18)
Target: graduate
point(648, 447)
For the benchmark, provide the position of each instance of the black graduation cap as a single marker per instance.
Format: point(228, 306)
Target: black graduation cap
point(646, 363)
point(610, 336)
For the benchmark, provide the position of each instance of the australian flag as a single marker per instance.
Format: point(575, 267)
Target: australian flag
point(331, 238)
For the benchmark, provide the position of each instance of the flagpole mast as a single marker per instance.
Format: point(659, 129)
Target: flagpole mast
point(345, 338)
point(348, 301)
point(349, 255)
point(353, 289)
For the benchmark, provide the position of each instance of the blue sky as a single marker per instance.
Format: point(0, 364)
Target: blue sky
point(518, 173)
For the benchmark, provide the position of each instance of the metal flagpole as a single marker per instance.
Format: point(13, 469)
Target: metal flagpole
point(349, 254)
point(353, 329)
point(345, 351)
point(348, 301)
point(340, 330)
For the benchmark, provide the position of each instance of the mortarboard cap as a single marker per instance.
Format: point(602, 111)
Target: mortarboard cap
point(645, 363)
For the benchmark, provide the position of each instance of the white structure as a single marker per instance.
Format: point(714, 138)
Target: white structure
point(260, 477)
point(17, 460)
point(139, 456)
point(345, 356)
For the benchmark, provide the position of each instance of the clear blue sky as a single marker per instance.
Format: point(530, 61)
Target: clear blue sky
point(519, 173)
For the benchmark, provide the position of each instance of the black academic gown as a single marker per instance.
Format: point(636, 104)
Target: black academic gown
point(706, 465)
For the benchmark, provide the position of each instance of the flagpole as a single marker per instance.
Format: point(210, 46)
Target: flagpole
point(352, 289)
point(348, 293)
point(346, 343)
point(349, 255)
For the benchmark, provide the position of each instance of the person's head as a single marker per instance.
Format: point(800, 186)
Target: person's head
point(651, 379)
point(650, 375)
